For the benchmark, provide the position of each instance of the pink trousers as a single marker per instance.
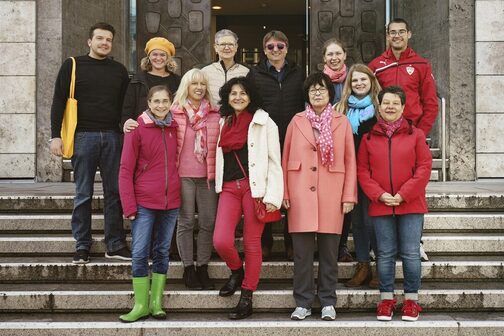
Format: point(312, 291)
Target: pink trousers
point(235, 200)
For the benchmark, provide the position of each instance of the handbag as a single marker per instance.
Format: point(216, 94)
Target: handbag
point(69, 119)
point(259, 207)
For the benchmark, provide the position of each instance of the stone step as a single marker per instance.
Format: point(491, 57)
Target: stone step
point(58, 269)
point(44, 244)
point(47, 197)
point(259, 324)
point(268, 298)
point(434, 222)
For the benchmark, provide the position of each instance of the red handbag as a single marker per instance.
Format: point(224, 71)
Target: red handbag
point(260, 208)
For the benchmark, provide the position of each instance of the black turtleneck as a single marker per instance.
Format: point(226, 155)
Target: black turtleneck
point(99, 89)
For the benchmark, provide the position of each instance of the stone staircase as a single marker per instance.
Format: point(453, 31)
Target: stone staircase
point(43, 293)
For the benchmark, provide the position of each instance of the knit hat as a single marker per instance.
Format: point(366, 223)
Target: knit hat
point(160, 43)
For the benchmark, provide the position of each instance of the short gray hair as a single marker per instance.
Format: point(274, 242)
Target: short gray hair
point(225, 32)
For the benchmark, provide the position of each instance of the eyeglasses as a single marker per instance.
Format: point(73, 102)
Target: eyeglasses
point(397, 32)
point(226, 45)
point(279, 45)
point(321, 90)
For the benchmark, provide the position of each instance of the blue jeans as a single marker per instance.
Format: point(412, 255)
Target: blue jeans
point(159, 226)
point(93, 150)
point(362, 228)
point(403, 233)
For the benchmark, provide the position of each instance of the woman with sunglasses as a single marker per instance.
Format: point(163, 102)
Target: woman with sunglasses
point(280, 85)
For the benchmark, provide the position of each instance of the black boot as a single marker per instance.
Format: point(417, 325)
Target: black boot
point(204, 279)
point(244, 307)
point(234, 281)
point(191, 279)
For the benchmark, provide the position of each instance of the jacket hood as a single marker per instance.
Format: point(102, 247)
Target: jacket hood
point(145, 121)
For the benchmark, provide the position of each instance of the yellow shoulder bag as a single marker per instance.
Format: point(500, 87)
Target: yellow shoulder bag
point(69, 119)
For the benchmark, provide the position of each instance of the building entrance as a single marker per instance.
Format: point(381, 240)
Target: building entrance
point(191, 26)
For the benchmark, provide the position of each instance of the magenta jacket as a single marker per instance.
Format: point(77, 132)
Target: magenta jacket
point(148, 173)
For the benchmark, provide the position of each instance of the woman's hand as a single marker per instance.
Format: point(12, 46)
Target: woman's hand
point(130, 217)
point(347, 207)
point(129, 125)
point(390, 200)
point(286, 203)
point(270, 207)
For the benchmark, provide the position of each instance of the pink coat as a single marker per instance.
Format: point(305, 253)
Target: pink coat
point(316, 192)
point(213, 129)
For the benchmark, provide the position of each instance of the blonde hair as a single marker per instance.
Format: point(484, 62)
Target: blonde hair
point(146, 65)
point(342, 106)
point(183, 89)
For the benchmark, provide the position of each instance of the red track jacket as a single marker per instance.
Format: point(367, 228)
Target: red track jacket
point(414, 75)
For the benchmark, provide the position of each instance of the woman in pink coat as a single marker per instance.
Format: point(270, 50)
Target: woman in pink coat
point(320, 187)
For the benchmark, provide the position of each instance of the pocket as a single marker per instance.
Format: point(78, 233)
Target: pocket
point(294, 165)
point(336, 169)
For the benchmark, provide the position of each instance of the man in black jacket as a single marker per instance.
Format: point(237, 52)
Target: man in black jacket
point(99, 89)
point(280, 85)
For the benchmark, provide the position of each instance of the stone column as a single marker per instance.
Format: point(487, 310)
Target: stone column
point(49, 56)
point(17, 89)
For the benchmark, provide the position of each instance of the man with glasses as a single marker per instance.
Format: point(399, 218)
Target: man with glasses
point(400, 66)
point(226, 45)
point(280, 85)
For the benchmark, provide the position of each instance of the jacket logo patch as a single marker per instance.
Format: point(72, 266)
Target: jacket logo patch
point(410, 70)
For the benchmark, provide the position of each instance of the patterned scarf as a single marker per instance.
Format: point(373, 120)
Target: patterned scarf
point(389, 127)
point(337, 76)
point(234, 135)
point(198, 121)
point(359, 111)
point(322, 123)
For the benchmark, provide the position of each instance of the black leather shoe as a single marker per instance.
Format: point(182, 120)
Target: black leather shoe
point(234, 281)
point(191, 279)
point(204, 279)
point(244, 307)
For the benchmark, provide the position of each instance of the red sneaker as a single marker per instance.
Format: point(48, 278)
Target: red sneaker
point(410, 310)
point(385, 310)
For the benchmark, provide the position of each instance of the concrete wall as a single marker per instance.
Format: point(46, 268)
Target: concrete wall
point(17, 88)
point(78, 16)
point(490, 88)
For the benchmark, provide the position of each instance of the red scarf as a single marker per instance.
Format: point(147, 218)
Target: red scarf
point(336, 76)
point(234, 134)
point(389, 127)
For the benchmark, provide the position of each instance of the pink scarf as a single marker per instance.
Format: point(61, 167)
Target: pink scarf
point(322, 123)
point(389, 127)
point(198, 121)
point(336, 76)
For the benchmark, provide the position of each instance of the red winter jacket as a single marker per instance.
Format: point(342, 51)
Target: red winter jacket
point(213, 130)
point(414, 75)
point(400, 164)
point(148, 175)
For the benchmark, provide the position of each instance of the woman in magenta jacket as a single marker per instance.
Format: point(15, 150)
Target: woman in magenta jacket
point(198, 121)
point(394, 166)
point(149, 187)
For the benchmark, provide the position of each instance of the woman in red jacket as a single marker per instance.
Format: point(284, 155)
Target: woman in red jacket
point(149, 186)
point(197, 133)
point(394, 165)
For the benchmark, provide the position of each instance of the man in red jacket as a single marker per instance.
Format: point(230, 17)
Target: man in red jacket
point(400, 66)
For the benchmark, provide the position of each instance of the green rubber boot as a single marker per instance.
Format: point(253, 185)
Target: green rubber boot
point(141, 307)
point(156, 299)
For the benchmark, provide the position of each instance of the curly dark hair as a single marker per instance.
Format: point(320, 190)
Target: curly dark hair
point(255, 100)
point(321, 79)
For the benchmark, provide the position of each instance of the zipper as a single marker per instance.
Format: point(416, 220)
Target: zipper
point(166, 166)
point(390, 170)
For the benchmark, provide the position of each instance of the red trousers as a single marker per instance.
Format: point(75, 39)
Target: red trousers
point(235, 200)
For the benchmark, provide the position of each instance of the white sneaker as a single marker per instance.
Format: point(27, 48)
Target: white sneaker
point(300, 313)
point(423, 255)
point(328, 313)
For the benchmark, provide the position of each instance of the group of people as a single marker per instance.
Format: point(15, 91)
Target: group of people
point(334, 150)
